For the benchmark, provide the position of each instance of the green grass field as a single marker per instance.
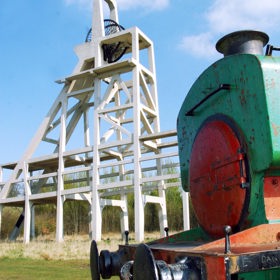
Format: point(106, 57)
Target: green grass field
point(29, 269)
point(44, 258)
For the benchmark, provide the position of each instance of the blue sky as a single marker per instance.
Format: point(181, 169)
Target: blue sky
point(38, 37)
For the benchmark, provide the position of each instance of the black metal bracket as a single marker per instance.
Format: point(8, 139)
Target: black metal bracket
point(270, 49)
point(126, 233)
point(221, 87)
point(227, 230)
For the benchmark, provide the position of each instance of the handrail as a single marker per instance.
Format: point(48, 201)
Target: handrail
point(221, 87)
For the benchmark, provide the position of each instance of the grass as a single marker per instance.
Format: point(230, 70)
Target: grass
point(44, 258)
point(25, 268)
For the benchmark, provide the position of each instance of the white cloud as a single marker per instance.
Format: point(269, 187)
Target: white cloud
point(148, 4)
point(224, 17)
point(199, 45)
point(125, 4)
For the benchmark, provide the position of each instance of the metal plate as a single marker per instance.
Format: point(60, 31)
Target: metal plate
point(144, 267)
point(215, 190)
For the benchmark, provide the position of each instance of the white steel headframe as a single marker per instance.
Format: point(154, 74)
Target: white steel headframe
point(111, 110)
point(127, 105)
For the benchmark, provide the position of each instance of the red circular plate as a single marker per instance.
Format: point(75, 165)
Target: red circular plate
point(215, 190)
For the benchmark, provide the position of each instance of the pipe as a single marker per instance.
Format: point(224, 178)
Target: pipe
point(244, 41)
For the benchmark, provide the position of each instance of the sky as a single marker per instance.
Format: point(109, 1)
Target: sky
point(37, 39)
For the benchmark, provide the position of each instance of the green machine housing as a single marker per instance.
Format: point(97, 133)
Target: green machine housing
point(229, 140)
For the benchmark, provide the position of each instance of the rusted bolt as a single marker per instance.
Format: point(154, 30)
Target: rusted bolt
point(274, 181)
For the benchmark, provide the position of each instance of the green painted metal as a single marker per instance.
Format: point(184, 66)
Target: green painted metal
point(252, 105)
point(271, 274)
point(192, 235)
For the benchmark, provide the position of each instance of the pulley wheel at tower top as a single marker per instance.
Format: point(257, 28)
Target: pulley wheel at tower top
point(217, 175)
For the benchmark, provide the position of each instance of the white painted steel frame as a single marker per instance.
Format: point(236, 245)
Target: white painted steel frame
point(118, 106)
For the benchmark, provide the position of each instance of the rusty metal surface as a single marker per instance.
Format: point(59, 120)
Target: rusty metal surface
point(215, 177)
point(272, 197)
point(257, 248)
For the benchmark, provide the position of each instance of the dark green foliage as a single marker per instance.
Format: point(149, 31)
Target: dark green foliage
point(111, 219)
point(76, 217)
point(174, 209)
point(151, 217)
point(45, 219)
point(10, 216)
